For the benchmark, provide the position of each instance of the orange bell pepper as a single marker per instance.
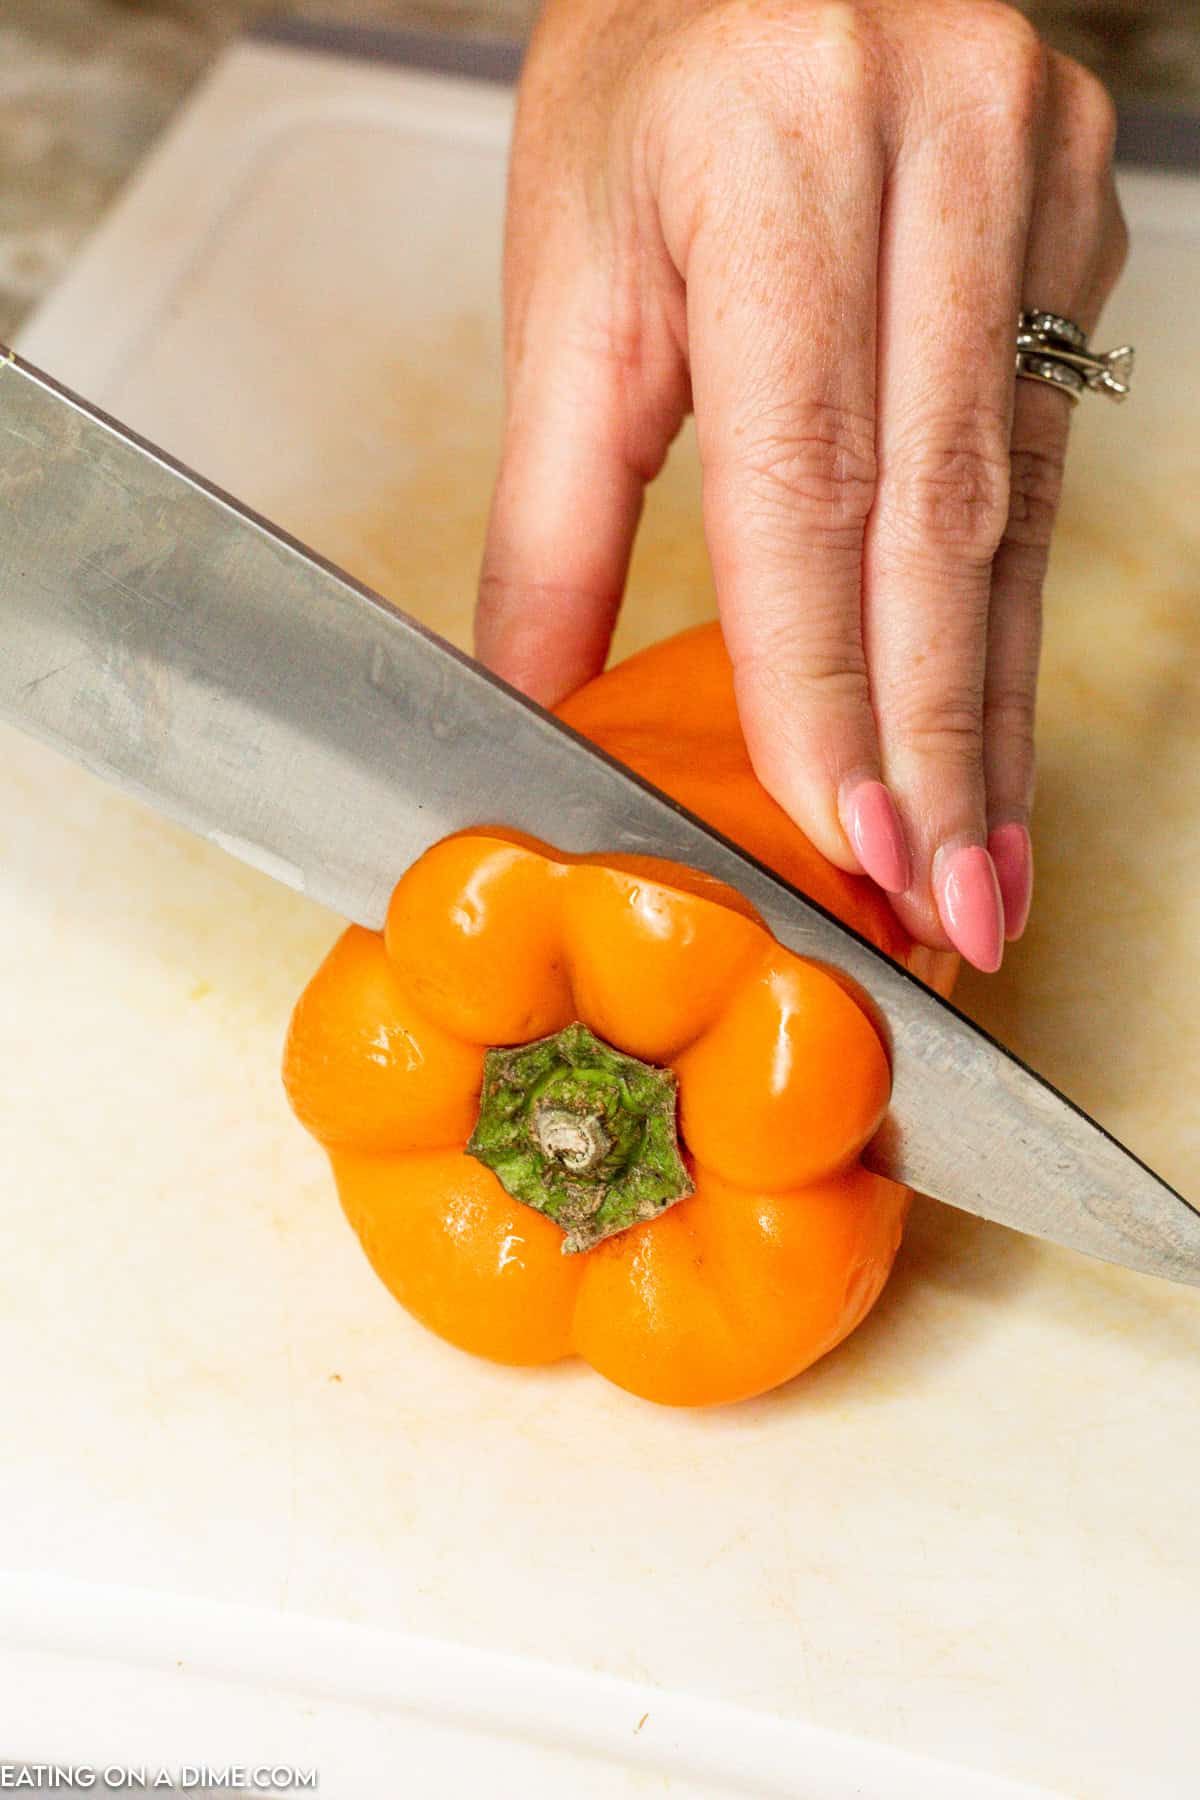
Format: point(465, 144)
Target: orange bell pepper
point(588, 1105)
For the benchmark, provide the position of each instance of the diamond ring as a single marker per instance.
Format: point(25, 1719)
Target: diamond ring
point(1054, 350)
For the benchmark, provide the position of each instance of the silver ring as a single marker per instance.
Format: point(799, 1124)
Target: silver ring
point(1054, 350)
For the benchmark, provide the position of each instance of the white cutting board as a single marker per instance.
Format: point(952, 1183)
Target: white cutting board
point(969, 1536)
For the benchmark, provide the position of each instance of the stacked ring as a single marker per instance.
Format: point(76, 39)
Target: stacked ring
point(1055, 350)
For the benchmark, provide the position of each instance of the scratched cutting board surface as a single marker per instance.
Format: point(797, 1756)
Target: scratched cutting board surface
point(970, 1533)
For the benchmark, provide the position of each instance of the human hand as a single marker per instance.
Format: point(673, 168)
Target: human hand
point(815, 222)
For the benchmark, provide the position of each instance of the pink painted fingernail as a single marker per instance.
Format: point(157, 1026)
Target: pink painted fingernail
point(969, 904)
point(873, 826)
point(1012, 853)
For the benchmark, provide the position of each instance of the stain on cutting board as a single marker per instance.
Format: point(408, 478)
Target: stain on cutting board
point(416, 534)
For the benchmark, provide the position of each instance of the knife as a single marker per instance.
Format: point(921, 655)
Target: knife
point(178, 645)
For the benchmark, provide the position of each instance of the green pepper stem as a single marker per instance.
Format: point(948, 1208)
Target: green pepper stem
point(582, 1133)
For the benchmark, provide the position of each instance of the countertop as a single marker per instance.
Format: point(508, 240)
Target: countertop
point(86, 86)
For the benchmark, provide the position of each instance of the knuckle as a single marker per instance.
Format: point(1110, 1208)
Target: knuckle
point(1035, 490)
point(736, 49)
point(949, 491)
point(843, 46)
point(1009, 714)
point(808, 663)
point(998, 22)
point(1091, 113)
point(819, 658)
point(1006, 62)
point(820, 471)
point(1013, 41)
point(818, 696)
point(1021, 63)
point(770, 67)
point(815, 684)
point(992, 78)
point(941, 727)
point(502, 600)
point(831, 36)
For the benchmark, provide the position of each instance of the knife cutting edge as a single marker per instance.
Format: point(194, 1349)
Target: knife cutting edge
point(178, 645)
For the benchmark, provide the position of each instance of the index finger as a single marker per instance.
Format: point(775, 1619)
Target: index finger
point(780, 308)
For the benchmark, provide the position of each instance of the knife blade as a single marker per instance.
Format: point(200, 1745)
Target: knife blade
point(178, 645)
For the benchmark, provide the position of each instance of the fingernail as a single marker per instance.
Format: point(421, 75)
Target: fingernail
point(969, 904)
point(1012, 853)
point(873, 826)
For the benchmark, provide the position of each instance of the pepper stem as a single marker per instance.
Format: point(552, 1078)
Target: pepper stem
point(579, 1141)
point(582, 1133)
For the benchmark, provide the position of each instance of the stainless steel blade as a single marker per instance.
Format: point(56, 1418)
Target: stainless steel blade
point(155, 630)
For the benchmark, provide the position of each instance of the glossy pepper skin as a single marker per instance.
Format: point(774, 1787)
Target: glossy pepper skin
point(784, 1242)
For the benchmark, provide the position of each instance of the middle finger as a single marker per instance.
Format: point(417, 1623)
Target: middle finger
point(956, 221)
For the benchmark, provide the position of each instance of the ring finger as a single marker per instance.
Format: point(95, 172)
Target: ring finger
point(1076, 248)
